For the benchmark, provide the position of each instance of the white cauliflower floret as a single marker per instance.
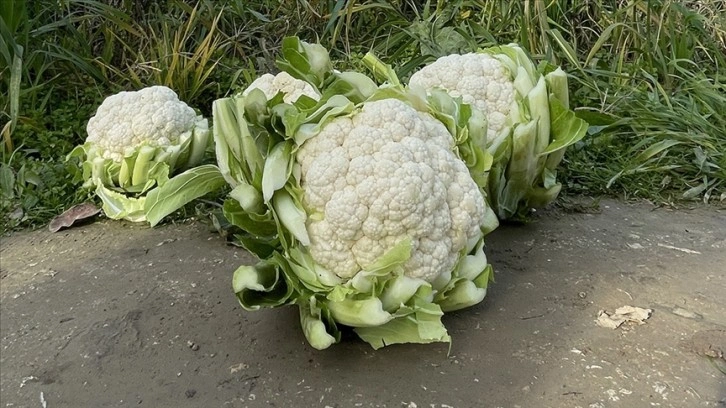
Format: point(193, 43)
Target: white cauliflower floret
point(292, 89)
point(380, 176)
point(153, 116)
point(479, 79)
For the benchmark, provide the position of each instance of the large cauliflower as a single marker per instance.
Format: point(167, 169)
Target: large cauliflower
point(359, 207)
point(383, 175)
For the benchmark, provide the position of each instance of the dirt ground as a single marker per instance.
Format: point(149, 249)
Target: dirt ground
point(114, 315)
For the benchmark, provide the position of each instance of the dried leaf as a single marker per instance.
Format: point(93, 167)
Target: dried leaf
point(622, 315)
point(73, 214)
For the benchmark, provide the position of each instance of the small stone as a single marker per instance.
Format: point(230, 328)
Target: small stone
point(190, 393)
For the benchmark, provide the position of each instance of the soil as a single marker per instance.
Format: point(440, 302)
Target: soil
point(115, 315)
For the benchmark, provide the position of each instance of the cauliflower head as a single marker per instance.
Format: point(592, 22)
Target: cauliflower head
point(136, 142)
point(382, 175)
point(529, 122)
point(362, 209)
point(292, 89)
point(152, 116)
point(479, 79)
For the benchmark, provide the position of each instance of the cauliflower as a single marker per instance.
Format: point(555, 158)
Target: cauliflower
point(153, 116)
point(136, 141)
point(383, 175)
point(360, 209)
point(529, 124)
point(291, 88)
point(479, 79)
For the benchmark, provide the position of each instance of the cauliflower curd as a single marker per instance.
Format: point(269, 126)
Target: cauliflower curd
point(292, 89)
point(153, 116)
point(382, 175)
point(479, 79)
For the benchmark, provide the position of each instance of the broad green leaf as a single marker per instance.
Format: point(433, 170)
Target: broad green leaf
point(359, 313)
point(311, 274)
point(117, 206)
point(523, 82)
point(354, 86)
point(557, 86)
point(261, 285)
point(259, 247)
point(302, 60)
point(286, 119)
point(249, 198)
point(567, 128)
point(236, 150)
point(180, 190)
point(125, 172)
point(291, 216)
point(336, 106)
point(382, 71)
point(539, 197)
point(399, 291)
point(276, 170)
point(539, 110)
point(491, 222)
point(470, 266)
point(420, 324)
point(464, 294)
point(262, 226)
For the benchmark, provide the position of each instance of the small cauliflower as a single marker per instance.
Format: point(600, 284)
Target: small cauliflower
point(153, 116)
point(292, 89)
point(479, 79)
point(136, 141)
point(529, 124)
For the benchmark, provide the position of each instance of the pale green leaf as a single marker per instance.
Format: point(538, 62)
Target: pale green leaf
point(359, 313)
point(567, 128)
point(181, 190)
point(276, 170)
point(117, 206)
point(291, 216)
point(314, 328)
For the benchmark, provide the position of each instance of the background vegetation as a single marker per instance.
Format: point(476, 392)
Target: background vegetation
point(650, 76)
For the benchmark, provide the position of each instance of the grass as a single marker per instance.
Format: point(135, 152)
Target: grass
point(650, 76)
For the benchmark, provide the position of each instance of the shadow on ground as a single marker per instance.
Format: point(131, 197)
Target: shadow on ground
point(113, 315)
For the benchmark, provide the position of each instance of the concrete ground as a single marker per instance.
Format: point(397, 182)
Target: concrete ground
point(114, 315)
